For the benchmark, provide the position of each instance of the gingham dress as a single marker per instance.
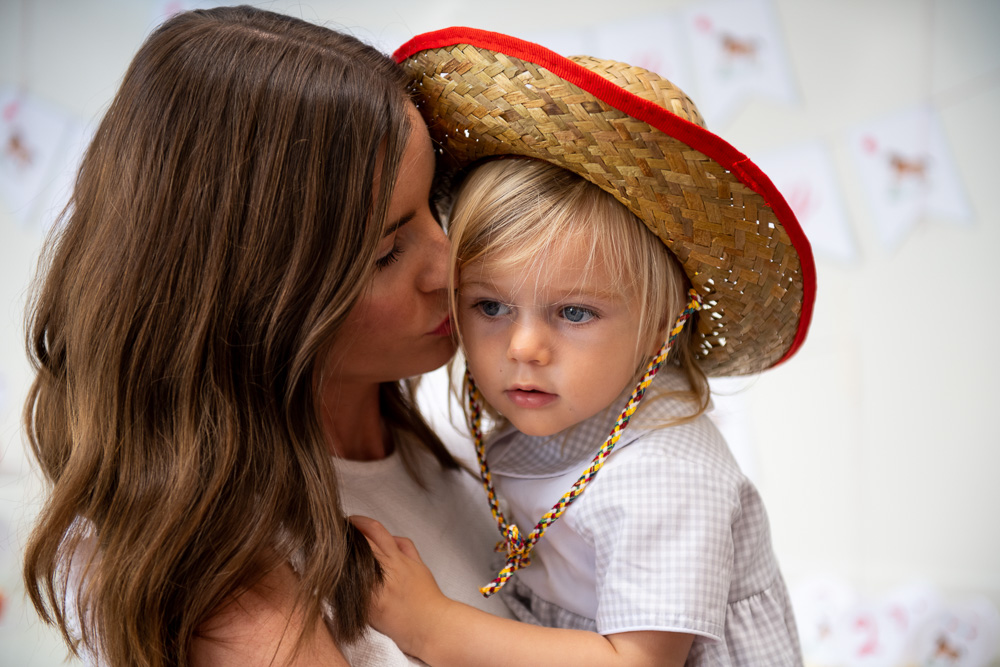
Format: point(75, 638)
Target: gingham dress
point(669, 536)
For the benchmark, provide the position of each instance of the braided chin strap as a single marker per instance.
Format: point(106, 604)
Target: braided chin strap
point(519, 548)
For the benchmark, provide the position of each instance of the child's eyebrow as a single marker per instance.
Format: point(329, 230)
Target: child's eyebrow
point(561, 295)
point(592, 292)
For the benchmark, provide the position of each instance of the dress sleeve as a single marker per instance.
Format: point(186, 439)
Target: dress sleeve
point(661, 527)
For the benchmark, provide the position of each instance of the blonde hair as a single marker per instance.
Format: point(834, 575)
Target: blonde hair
point(222, 226)
point(511, 211)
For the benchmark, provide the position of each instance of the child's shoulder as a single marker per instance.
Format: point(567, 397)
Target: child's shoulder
point(697, 441)
point(662, 470)
point(658, 440)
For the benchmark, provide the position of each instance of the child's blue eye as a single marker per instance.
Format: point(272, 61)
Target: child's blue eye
point(492, 308)
point(576, 314)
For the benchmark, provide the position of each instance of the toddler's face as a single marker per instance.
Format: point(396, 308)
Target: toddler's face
point(552, 344)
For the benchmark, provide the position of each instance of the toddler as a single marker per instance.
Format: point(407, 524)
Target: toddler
point(591, 306)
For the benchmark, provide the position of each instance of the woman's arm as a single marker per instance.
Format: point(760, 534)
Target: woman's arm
point(412, 610)
point(262, 627)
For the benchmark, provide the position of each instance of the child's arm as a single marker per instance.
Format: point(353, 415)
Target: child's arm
point(411, 610)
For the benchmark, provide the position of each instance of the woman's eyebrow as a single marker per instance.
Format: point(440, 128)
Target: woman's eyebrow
point(391, 229)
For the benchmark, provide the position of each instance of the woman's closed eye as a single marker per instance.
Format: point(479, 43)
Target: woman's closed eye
point(388, 258)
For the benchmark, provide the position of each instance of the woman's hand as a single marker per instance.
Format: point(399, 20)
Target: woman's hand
point(409, 604)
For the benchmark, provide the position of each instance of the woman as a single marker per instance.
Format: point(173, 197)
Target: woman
point(248, 266)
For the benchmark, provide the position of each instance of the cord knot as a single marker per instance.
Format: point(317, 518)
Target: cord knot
point(517, 548)
point(517, 557)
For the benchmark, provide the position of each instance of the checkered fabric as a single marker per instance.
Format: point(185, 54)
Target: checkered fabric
point(670, 536)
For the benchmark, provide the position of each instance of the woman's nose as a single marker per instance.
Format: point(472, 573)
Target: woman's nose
point(529, 342)
point(434, 277)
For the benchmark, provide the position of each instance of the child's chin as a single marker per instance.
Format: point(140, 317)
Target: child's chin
point(535, 429)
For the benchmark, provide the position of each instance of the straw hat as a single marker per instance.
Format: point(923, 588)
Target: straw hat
point(640, 138)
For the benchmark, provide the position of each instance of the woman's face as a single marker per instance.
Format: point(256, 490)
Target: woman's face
point(400, 326)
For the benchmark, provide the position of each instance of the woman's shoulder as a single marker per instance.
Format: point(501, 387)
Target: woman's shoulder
point(264, 625)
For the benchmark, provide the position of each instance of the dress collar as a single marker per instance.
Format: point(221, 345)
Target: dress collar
point(511, 453)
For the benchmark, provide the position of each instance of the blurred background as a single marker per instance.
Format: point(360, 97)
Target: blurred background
point(876, 448)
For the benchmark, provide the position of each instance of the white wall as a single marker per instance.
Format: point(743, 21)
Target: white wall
point(876, 449)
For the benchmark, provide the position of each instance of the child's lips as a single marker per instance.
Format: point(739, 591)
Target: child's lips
point(529, 398)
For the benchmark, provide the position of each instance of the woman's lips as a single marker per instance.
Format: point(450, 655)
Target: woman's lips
point(529, 398)
point(443, 329)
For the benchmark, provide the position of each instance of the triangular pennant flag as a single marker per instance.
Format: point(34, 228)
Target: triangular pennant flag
point(906, 168)
point(737, 54)
point(31, 133)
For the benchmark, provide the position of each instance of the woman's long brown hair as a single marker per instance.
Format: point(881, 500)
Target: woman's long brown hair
point(222, 225)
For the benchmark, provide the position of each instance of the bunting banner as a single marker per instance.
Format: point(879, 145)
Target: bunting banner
point(738, 54)
point(819, 602)
point(31, 135)
point(905, 166)
point(881, 631)
point(909, 625)
point(966, 634)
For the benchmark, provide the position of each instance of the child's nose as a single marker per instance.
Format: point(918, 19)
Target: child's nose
point(529, 343)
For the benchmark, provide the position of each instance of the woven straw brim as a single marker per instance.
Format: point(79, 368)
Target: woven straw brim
point(480, 102)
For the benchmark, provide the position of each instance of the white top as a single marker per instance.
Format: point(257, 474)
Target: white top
point(668, 536)
point(449, 522)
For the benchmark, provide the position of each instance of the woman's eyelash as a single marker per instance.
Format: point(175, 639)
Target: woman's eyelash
point(388, 258)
